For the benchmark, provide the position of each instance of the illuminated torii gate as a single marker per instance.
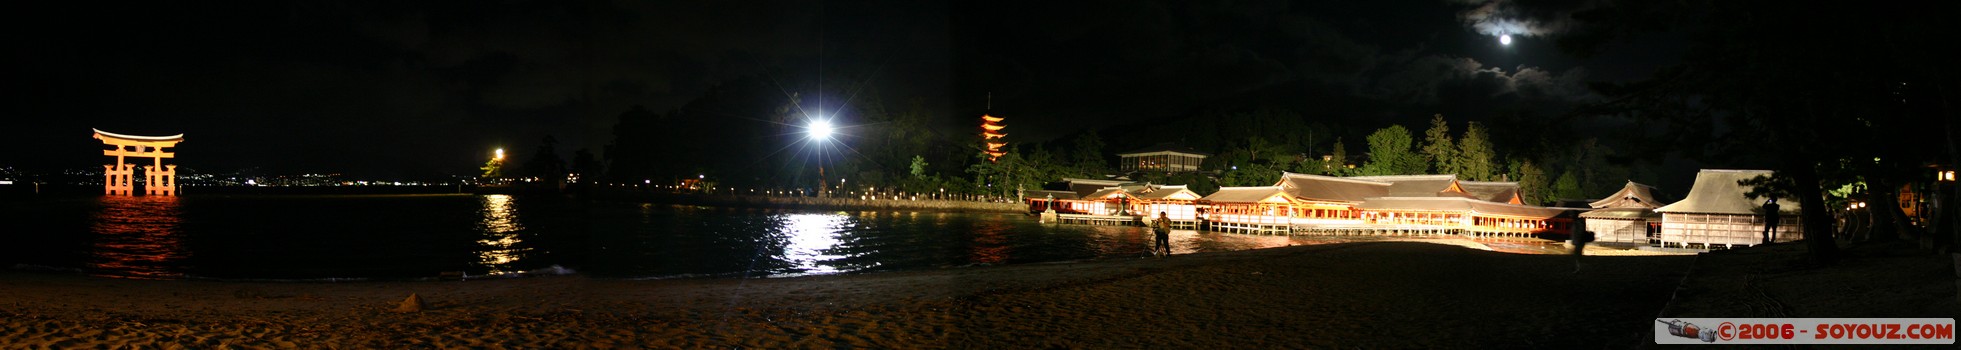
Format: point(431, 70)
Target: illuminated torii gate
point(161, 180)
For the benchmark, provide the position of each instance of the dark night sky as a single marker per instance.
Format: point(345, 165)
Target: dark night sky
point(416, 90)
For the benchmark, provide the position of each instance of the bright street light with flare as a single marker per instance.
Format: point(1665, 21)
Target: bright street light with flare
point(820, 129)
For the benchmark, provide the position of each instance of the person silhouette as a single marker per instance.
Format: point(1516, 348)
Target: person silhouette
point(1580, 238)
point(1162, 228)
point(1771, 216)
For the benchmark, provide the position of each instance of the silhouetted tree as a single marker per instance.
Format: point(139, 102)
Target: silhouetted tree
point(1198, 182)
point(1339, 160)
point(1439, 148)
point(545, 163)
point(1390, 154)
point(1567, 187)
point(1087, 154)
point(1598, 175)
point(1255, 174)
point(633, 156)
point(1532, 184)
point(588, 168)
point(1475, 155)
point(1258, 150)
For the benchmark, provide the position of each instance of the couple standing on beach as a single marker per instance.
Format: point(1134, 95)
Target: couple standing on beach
point(1162, 227)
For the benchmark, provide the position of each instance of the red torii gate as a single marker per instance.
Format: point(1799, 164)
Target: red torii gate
point(160, 179)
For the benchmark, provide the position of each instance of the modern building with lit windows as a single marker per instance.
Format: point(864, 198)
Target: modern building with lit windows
point(1163, 157)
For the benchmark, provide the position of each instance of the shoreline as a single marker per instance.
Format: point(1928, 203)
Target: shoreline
point(812, 203)
point(1370, 294)
point(611, 195)
point(1509, 246)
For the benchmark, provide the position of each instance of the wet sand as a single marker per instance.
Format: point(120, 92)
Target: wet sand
point(1872, 279)
point(1373, 295)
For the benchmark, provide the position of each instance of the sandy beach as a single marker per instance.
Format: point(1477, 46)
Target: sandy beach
point(1877, 279)
point(1373, 295)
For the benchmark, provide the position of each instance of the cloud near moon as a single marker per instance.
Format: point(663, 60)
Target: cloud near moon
point(1501, 17)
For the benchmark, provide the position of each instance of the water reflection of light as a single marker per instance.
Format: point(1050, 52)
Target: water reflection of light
point(991, 242)
point(499, 227)
point(1188, 241)
point(1126, 241)
point(809, 237)
point(137, 237)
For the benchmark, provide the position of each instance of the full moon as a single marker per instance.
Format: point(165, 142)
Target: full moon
point(1505, 39)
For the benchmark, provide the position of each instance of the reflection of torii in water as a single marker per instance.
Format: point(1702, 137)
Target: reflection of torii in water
point(160, 180)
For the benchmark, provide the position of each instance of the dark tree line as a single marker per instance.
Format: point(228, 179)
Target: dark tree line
point(751, 133)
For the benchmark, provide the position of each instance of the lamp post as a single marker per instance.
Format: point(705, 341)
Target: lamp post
point(819, 132)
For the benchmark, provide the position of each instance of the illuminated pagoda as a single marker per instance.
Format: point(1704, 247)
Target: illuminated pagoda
point(991, 135)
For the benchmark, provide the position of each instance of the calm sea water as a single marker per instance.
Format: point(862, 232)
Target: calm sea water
point(423, 236)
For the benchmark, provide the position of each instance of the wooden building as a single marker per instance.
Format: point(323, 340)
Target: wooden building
point(1329, 200)
point(1177, 202)
point(1627, 216)
point(1117, 198)
point(1408, 204)
point(1419, 185)
point(1042, 200)
point(1493, 191)
point(1716, 214)
point(1469, 215)
point(1073, 196)
point(1083, 187)
point(1115, 201)
point(1473, 207)
point(1256, 209)
point(1405, 203)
